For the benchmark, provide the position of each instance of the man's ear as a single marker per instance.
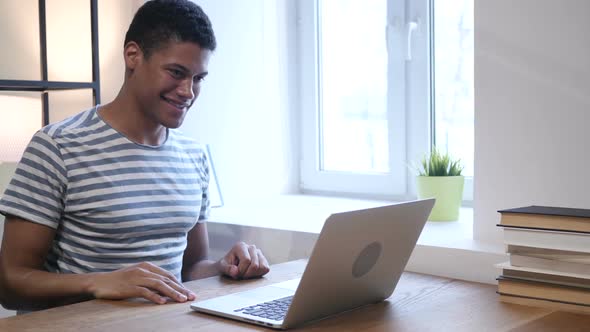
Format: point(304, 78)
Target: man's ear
point(133, 55)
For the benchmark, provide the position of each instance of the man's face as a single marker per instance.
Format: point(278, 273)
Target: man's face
point(169, 81)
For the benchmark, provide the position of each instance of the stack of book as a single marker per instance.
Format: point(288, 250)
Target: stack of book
point(549, 250)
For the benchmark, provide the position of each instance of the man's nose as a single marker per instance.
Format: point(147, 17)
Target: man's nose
point(185, 89)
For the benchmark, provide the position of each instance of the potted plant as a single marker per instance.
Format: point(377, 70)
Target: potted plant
point(439, 176)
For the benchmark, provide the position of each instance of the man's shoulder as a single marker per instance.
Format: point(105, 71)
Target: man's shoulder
point(185, 142)
point(71, 125)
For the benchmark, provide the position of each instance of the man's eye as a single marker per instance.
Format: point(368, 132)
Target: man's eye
point(198, 79)
point(175, 73)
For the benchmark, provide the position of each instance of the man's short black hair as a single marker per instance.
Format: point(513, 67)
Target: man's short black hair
point(158, 22)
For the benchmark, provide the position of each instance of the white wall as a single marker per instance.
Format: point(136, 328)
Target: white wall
point(532, 107)
point(19, 27)
point(248, 108)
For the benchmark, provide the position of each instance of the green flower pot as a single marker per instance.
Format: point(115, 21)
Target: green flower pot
point(448, 191)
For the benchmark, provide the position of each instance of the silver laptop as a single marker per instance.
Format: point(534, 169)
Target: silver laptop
point(357, 260)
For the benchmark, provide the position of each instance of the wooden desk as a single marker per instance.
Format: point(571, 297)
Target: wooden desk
point(419, 303)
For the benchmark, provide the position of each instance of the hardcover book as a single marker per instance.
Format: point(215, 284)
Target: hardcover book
point(543, 291)
point(538, 238)
point(546, 217)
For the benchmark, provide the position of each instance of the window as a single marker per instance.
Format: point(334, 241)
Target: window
point(453, 82)
point(374, 100)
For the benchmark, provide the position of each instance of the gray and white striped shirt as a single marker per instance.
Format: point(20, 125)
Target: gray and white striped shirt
point(112, 202)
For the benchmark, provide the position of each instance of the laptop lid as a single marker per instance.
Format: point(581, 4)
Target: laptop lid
point(357, 260)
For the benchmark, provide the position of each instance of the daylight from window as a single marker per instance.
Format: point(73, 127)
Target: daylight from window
point(353, 64)
point(353, 95)
point(453, 79)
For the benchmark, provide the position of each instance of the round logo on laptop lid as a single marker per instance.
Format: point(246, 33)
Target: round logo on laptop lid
point(366, 259)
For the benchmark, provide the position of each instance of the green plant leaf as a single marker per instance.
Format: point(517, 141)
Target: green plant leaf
point(439, 164)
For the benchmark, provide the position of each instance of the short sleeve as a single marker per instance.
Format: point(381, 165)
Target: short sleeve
point(38, 187)
point(205, 200)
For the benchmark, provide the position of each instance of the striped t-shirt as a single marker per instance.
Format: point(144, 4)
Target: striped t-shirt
point(112, 202)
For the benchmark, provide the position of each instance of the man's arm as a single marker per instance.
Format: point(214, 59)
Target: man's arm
point(195, 264)
point(241, 262)
point(24, 284)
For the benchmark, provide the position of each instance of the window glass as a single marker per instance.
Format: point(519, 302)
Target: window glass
point(353, 86)
point(453, 79)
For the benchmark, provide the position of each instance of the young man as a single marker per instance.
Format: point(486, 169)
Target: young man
point(110, 203)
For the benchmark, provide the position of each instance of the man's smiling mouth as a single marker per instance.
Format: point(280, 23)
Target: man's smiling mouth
point(176, 104)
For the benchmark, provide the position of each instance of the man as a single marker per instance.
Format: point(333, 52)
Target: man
point(109, 203)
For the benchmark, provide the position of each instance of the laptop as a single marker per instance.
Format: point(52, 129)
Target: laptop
point(357, 260)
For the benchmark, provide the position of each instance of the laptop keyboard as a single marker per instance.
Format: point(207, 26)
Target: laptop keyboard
point(275, 310)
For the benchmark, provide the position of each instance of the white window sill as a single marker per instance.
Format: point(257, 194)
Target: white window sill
point(444, 248)
point(307, 213)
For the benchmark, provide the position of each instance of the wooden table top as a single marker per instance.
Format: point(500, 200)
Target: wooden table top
point(419, 303)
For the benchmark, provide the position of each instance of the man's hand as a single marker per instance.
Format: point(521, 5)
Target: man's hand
point(141, 280)
point(244, 262)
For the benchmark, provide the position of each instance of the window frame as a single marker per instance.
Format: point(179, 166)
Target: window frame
point(409, 113)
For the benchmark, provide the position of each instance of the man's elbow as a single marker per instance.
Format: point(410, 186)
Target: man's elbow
point(6, 300)
point(8, 297)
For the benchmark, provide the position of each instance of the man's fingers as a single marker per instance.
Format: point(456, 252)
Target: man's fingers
point(140, 280)
point(168, 278)
point(252, 270)
point(250, 262)
point(264, 266)
point(245, 259)
point(228, 269)
point(232, 271)
point(149, 295)
point(163, 288)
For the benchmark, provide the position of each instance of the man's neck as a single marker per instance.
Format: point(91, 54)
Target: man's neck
point(124, 116)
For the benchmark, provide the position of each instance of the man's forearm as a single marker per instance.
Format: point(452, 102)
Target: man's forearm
point(28, 289)
point(202, 269)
